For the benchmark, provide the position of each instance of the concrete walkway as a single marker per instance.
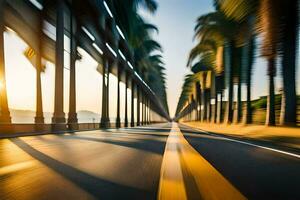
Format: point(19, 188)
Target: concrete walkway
point(282, 136)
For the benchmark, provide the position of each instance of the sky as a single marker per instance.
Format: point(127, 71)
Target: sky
point(176, 20)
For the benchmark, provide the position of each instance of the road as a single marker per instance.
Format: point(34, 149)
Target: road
point(165, 161)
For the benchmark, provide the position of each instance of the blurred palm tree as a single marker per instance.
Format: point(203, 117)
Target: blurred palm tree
point(280, 36)
point(218, 35)
point(145, 50)
point(207, 50)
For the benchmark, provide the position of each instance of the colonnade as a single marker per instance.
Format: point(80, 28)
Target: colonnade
point(111, 59)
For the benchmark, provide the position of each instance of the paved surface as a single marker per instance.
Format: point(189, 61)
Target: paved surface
point(165, 161)
point(256, 172)
point(112, 164)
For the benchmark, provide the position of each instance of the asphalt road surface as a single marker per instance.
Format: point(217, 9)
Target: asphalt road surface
point(163, 161)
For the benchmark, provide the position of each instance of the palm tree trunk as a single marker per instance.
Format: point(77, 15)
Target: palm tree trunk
point(198, 89)
point(239, 100)
point(216, 106)
point(204, 113)
point(229, 110)
point(290, 38)
point(208, 105)
point(248, 103)
point(250, 57)
point(270, 117)
point(220, 119)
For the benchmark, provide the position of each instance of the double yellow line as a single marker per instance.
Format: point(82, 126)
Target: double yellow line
point(184, 168)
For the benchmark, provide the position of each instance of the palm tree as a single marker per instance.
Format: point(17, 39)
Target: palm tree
point(138, 33)
point(290, 23)
point(207, 65)
point(278, 32)
point(221, 32)
point(186, 92)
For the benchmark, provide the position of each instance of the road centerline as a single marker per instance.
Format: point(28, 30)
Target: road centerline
point(210, 183)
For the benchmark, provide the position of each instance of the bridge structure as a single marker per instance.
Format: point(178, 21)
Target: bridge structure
point(90, 25)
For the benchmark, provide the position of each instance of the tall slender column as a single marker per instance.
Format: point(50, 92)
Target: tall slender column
point(204, 100)
point(143, 107)
point(104, 103)
point(118, 120)
point(208, 106)
point(132, 103)
point(216, 108)
point(220, 108)
point(126, 102)
point(39, 116)
point(59, 115)
point(149, 112)
point(198, 100)
point(5, 115)
point(107, 95)
point(138, 121)
point(72, 117)
point(105, 87)
point(146, 111)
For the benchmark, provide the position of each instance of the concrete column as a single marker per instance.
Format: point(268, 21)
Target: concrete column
point(126, 102)
point(138, 120)
point(39, 115)
point(149, 117)
point(59, 115)
point(4, 115)
point(143, 108)
point(105, 122)
point(132, 103)
point(107, 94)
point(72, 116)
point(147, 110)
point(118, 120)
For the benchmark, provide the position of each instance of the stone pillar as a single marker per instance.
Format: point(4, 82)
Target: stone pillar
point(39, 115)
point(149, 118)
point(138, 121)
point(146, 111)
point(143, 107)
point(126, 102)
point(118, 120)
point(4, 115)
point(132, 103)
point(105, 122)
point(72, 117)
point(59, 115)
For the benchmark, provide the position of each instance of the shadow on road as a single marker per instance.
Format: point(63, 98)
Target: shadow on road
point(95, 186)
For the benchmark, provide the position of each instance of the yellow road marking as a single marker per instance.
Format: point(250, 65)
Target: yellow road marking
point(210, 183)
point(171, 185)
